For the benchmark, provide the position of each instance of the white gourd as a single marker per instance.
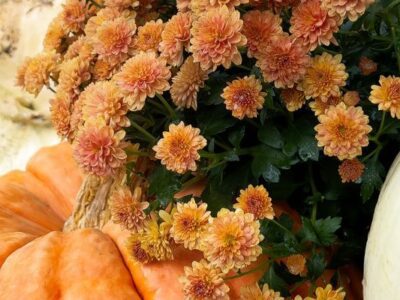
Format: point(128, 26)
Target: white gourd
point(382, 257)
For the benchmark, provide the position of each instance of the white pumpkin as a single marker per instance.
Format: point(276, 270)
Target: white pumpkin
point(382, 256)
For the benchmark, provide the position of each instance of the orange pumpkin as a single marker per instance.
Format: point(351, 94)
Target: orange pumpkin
point(39, 261)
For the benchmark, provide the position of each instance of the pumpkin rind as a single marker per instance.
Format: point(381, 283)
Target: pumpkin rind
point(84, 264)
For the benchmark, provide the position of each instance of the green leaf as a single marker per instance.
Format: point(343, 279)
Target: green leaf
point(264, 157)
point(308, 148)
point(316, 266)
point(371, 179)
point(236, 136)
point(217, 120)
point(274, 281)
point(322, 232)
point(270, 135)
point(163, 185)
point(271, 173)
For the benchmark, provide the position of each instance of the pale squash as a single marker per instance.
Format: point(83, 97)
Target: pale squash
point(382, 259)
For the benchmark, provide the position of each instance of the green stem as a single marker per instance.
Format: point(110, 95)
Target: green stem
point(167, 106)
point(314, 192)
point(137, 153)
point(258, 268)
point(51, 89)
point(156, 104)
point(147, 134)
point(223, 145)
point(280, 226)
point(380, 130)
point(395, 41)
point(96, 4)
point(243, 67)
point(192, 181)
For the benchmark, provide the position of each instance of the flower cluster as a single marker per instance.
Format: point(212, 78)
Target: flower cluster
point(235, 94)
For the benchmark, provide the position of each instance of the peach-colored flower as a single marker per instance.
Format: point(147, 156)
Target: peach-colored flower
point(143, 76)
point(183, 5)
point(204, 281)
point(199, 6)
point(34, 73)
point(259, 27)
point(98, 149)
point(81, 47)
point(127, 208)
point(350, 170)
point(319, 107)
point(103, 15)
point(187, 83)
point(154, 239)
point(189, 223)
point(232, 240)
point(178, 149)
point(149, 36)
point(312, 25)
point(253, 292)
point(293, 99)
point(387, 95)
point(121, 4)
point(103, 99)
point(54, 36)
point(60, 113)
point(343, 131)
point(135, 250)
point(256, 200)
point(175, 38)
point(352, 9)
point(351, 98)
point(76, 116)
point(328, 293)
point(73, 73)
point(244, 97)
point(324, 77)
point(216, 37)
point(367, 66)
point(113, 39)
point(103, 69)
point(283, 61)
point(74, 14)
point(296, 264)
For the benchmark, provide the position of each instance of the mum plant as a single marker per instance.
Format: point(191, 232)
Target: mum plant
point(253, 104)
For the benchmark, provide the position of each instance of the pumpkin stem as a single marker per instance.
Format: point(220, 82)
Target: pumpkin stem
point(92, 207)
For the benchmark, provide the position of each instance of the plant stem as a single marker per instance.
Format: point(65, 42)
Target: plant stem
point(314, 192)
point(95, 4)
point(167, 106)
point(259, 267)
point(223, 145)
point(147, 134)
point(395, 41)
point(243, 67)
point(280, 226)
point(51, 89)
point(192, 181)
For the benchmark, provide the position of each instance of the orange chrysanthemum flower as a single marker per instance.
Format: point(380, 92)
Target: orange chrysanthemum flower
point(183, 5)
point(312, 25)
point(76, 116)
point(103, 15)
point(343, 131)
point(199, 6)
point(216, 37)
point(187, 83)
point(143, 76)
point(244, 97)
point(367, 66)
point(352, 9)
point(232, 240)
point(296, 264)
point(149, 36)
point(175, 38)
point(73, 73)
point(350, 170)
point(113, 39)
point(127, 209)
point(189, 223)
point(256, 200)
point(204, 281)
point(319, 107)
point(254, 292)
point(81, 47)
point(154, 240)
point(283, 61)
point(103, 69)
point(135, 250)
point(60, 114)
point(387, 95)
point(329, 293)
point(259, 27)
point(34, 73)
point(178, 149)
point(324, 77)
point(293, 99)
point(54, 36)
point(351, 98)
point(73, 15)
point(103, 99)
point(98, 149)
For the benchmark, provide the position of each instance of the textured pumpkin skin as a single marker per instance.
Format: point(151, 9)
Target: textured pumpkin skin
point(83, 264)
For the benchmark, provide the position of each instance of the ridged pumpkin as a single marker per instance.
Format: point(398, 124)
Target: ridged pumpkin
point(40, 261)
